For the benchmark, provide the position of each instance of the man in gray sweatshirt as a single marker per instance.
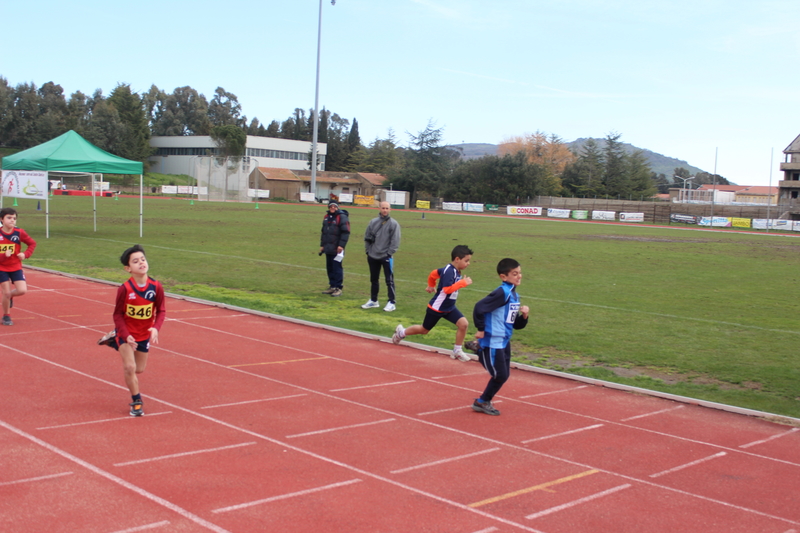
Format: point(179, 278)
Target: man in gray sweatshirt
point(381, 241)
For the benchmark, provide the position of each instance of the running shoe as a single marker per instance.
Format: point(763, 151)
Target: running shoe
point(389, 307)
point(460, 355)
point(484, 407)
point(372, 304)
point(7, 321)
point(472, 346)
point(108, 339)
point(336, 292)
point(137, 408)
point(399, 334)
point(329, 290)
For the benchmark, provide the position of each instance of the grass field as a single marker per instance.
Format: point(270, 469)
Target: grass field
point(704, 313)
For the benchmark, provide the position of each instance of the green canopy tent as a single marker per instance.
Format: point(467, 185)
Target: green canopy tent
point(72, 153)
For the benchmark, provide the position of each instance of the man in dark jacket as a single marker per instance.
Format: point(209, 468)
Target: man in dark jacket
point(335, 233)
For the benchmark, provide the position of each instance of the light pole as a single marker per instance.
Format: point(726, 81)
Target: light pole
point(316, 108)
point(690, 178)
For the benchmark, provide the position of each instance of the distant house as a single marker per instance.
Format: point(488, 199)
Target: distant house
point(288, 184)
point(726, 194)
point(790, 185)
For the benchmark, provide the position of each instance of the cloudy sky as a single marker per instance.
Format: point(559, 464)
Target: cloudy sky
point(687, 79)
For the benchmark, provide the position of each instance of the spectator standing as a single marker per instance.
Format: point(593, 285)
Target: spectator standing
point(335, 234)
point(381, 241)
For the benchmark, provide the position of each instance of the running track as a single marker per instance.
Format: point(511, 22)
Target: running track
point(259, 424)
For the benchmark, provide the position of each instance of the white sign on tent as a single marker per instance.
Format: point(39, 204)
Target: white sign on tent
point(25, 184)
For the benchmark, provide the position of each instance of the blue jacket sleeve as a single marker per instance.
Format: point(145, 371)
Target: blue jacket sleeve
point(495, 299)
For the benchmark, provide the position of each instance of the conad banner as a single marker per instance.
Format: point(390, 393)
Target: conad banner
point(451, 206)
point(631, 217)
point(603, 215)
point(737, 222)
point(24, 184)
point(474, 208)
point(423, 204)
point(523, 210)
point(363, 200)
point(580, 214)
point(558, 213)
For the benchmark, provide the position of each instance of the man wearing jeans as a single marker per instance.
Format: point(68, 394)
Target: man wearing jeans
point(381, 241)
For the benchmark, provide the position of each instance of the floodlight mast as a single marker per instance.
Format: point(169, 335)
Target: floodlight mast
point(684, 185)
point(316, 108)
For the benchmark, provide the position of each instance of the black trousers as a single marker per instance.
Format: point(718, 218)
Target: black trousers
point(375, 266)
point(497, 361)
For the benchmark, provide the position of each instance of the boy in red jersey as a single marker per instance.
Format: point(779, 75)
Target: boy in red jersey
point(12, 279)
point(443, 303)
point(138, 316)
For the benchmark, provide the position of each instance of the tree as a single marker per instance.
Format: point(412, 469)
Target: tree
point(615, 178)
point(225, 109)
point(585, 176)
point(382, 155)
point(549, 151)
point(230, 140)
point(426, 164)
point(135, 141)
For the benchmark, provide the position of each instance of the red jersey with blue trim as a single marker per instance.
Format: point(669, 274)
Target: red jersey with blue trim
point(13, 241)
point(138, 309)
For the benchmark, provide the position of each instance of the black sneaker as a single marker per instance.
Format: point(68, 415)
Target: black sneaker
point(109, 339)
point(7, 321)
point(473, 346)
point(137, 408)
point(485, 407)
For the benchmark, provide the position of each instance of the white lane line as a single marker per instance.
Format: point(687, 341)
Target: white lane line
point(117, 419)
point(442, 461)
point(459, 408)
point(578, 502)
point(340, 428)
point(184, 454)
point(553, 392)
point(487, 530)
point(154, 525)
point(779, 435)
point(687, 465)
point(285, 496)
point(374, 386)
point(482, 372)
point(570, 432)
point(111, 477)
point(253, 401)
point(32, 479)
point(668, 409)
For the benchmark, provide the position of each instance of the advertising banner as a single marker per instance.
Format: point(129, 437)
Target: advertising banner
point(359, 199)
point(451, 206)
point(492, 207)
point(256, 193)
point(631, 217)
point(686, 219)
point(474, 208)
point(603, 215)
point(346, 198)
point(737, 222)
point(523, 210)
point(307, 197)
point(580, 214)
point(423, 204)
point(24, 184)
point(796, 225)
point(719, 222)
point(169, 189)
point(558, 213)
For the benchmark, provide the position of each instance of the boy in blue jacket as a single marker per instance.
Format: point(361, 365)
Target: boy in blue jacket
point(496, 317)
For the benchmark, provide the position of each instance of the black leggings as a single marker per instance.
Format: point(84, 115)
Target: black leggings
point(375, 277)
point(497, 361)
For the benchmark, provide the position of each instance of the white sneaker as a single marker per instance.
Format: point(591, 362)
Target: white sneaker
point(389, 307)
point(460, 355)
point(399, 334)
point(370, 305)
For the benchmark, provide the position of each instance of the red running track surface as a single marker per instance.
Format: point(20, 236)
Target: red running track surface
point(260, 424)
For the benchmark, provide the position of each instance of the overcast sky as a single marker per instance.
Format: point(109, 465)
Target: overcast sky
point(683, 78)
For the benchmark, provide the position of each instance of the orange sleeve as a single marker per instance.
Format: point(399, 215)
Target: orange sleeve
point(432, 277)
point(460, 284)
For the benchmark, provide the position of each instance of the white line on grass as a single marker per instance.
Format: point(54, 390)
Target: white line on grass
point(687, 465)
point(481, 291)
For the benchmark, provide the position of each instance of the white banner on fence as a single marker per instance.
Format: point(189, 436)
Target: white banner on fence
point(346, 198)
point(169, 189)
point(631, 217)
point(262, 193)
point(523, 210)
point(558, 213)
point(475, 208)
point(185, 189)
point(796, 225)
point(451, 206)
point(307, 197)
point(25, 184)
point(719, 222)
point(603, 215)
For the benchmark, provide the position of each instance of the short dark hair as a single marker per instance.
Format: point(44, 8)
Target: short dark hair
point(506, 265)
point(7, 211)
point(126, 255)
point(461, 251)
